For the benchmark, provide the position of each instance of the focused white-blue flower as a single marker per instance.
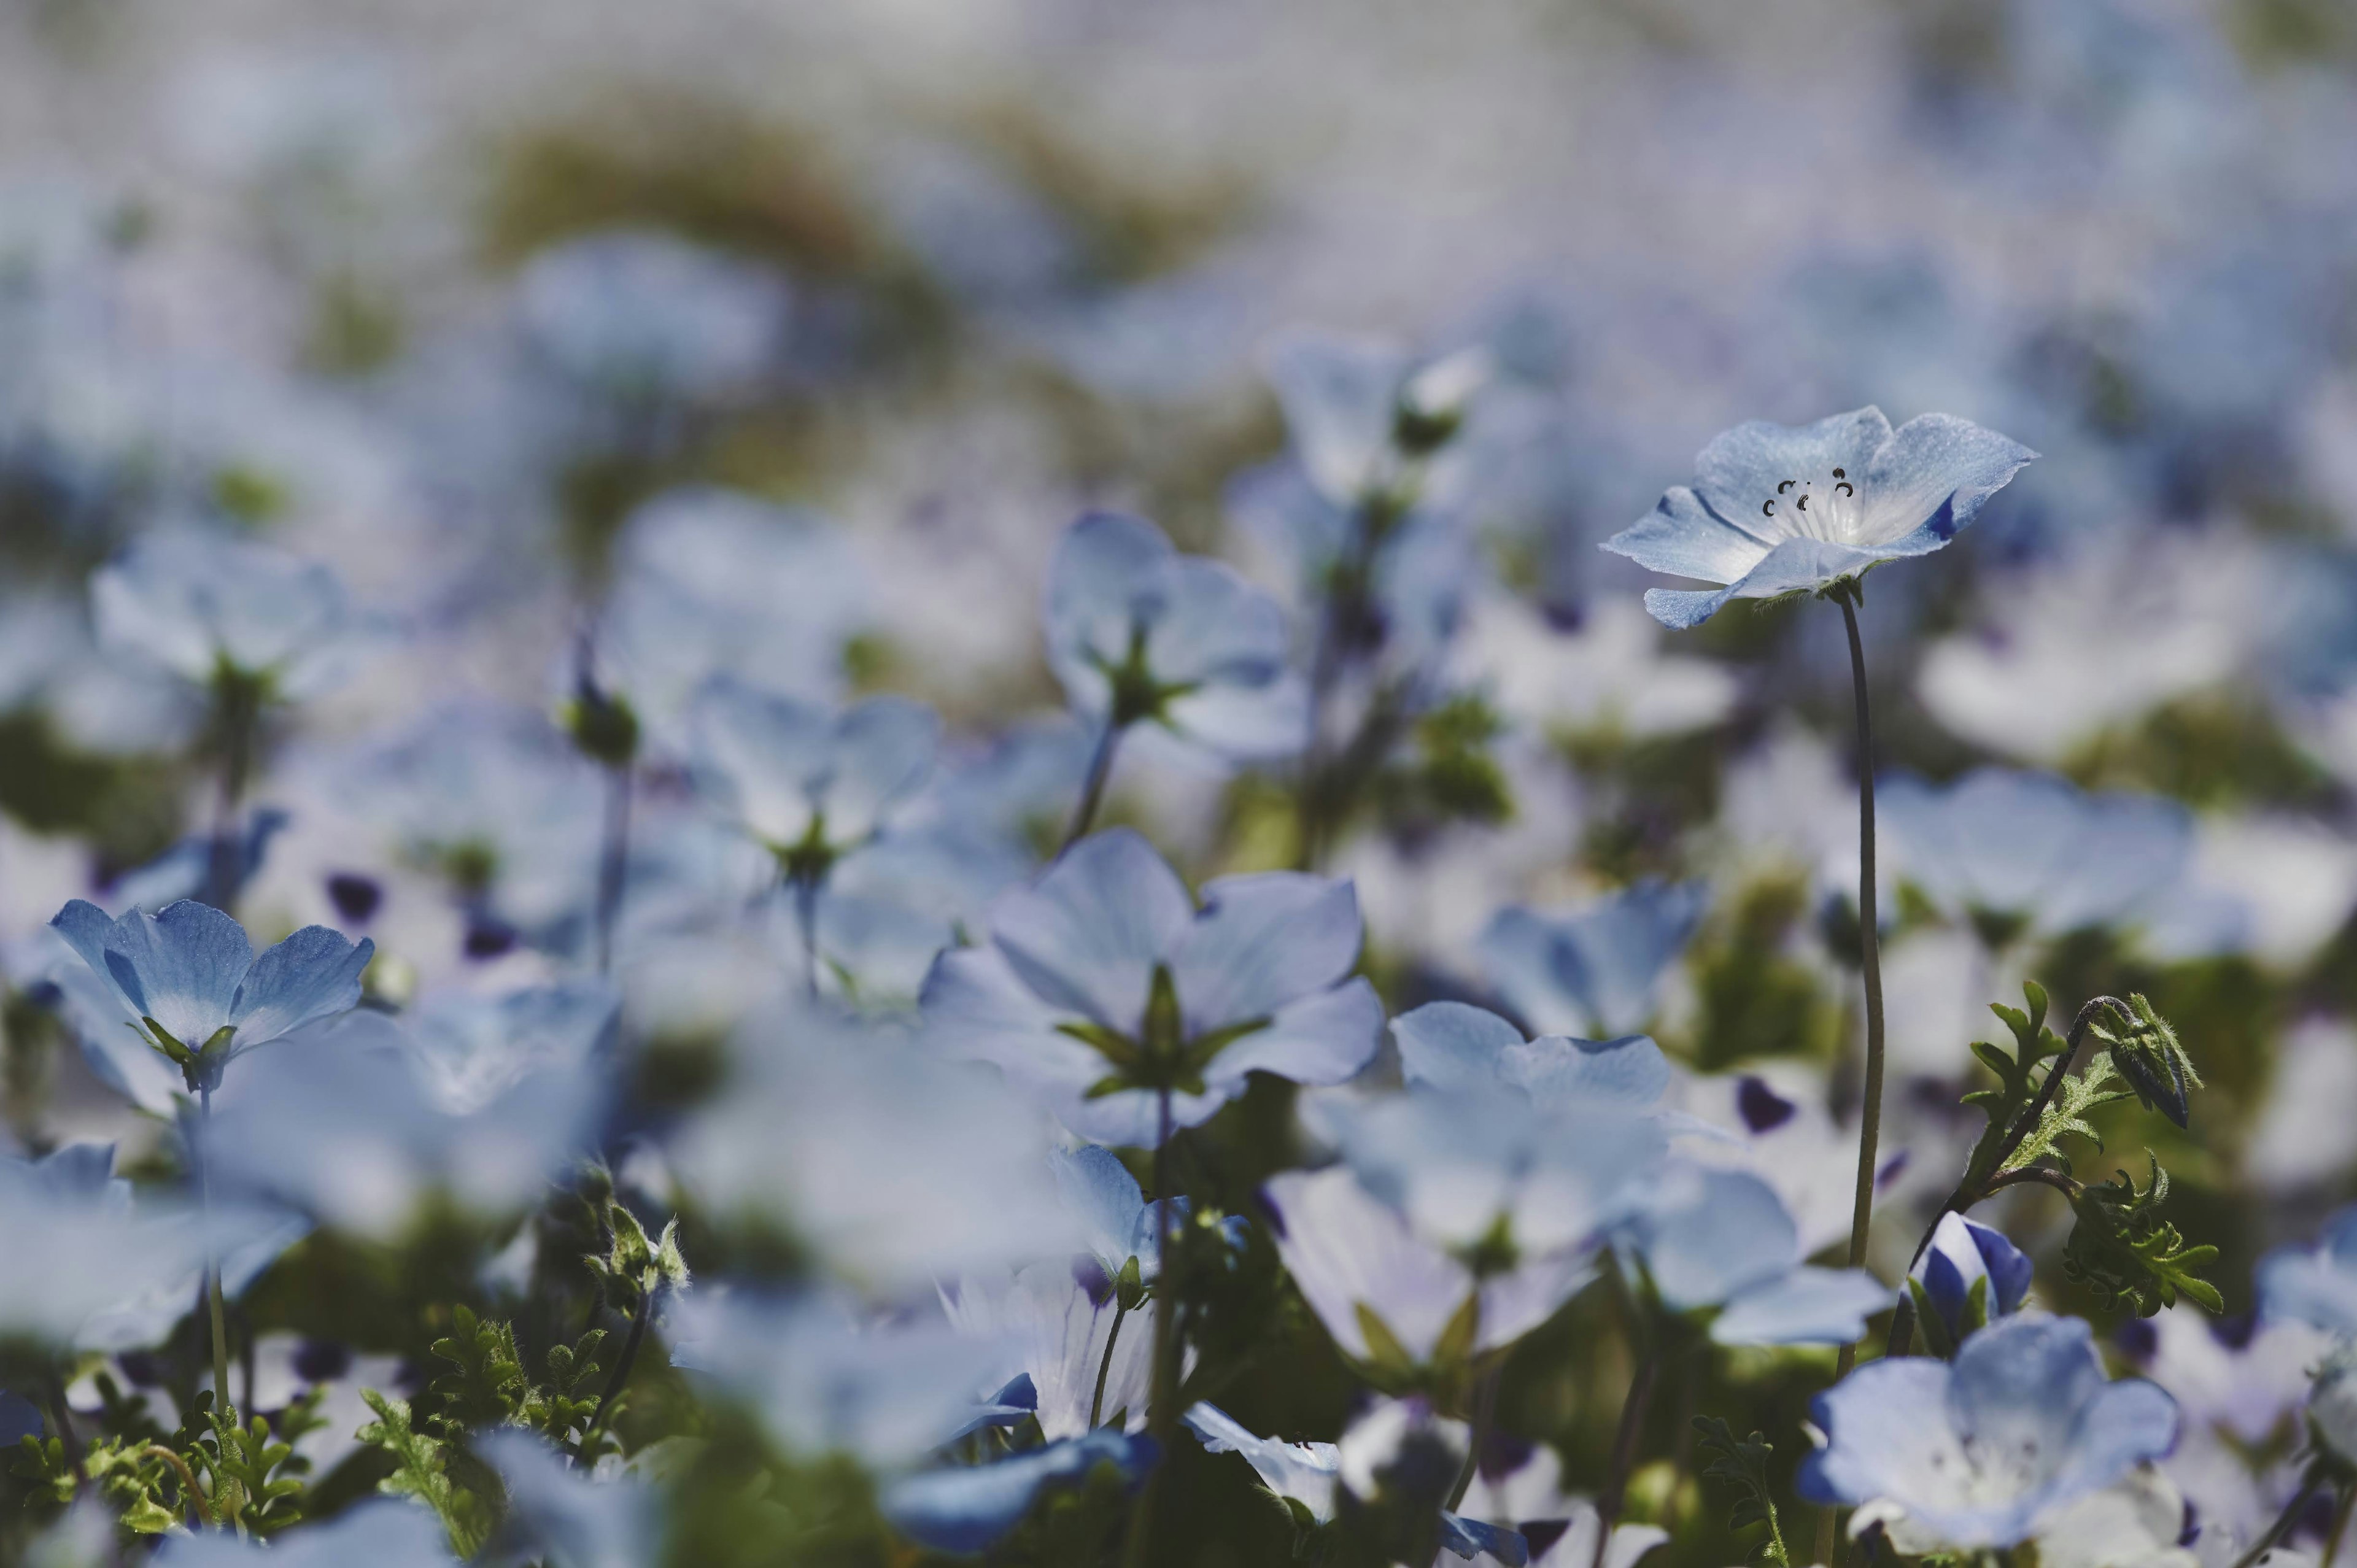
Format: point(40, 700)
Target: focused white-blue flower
point(1139, 633)
point(1977, 1452)
point(1104, 985)
point(1972, 1276)
point(188, 977)
point(1779, 508)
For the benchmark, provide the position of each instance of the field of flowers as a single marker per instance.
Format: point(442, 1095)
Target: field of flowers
point(1069, 783)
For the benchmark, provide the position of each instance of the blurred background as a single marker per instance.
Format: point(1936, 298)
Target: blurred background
point(456, 298)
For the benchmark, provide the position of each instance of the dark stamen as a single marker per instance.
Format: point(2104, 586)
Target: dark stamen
point(1768, 508)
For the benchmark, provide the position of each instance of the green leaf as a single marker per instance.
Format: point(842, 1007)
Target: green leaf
point(1742, 1463)
point(2066, 1114)
point(2018, 1082)
point(422, 1471)
point(1383, 1347)
point(2126, 1254)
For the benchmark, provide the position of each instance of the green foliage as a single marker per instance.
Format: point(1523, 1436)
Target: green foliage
point(2149, 1058)
point(258, 1481)
point(2005, 1104)
point(1451, 776)
point(2066, 1114)
point(2127, 1255)
point(488, 1384)
point(1742, 1463)
point(422, 1470)
point(631, 1265)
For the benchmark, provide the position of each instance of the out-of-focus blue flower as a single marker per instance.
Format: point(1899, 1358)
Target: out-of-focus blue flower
point(205, 606)
point(1366, 415)
point(381, 1533)
point(560, 1516)
point(828, 1129)
point(1973, 1275)
point(77, 1250)
point(2028, 851)
point(969, 1507)
point(1358, 1263)
point(1403, 1452)
point(1975, 1453)
point(1103, 982)
point(186, 869)
point(2315, 1285)
point(1559, 1527)
point(806, 781)
point(1779, 508)
point(711, 582)
point(479, 1099)
point(1452, 1046)
point(189, 977)
point(1593, 970)
point(1304, 1473)
point(822, 1385)
point(1120, 1223)
point(639, 315)
point(1720, 1242)
point(1139, 633)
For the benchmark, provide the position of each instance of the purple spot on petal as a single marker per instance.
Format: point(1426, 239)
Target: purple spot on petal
point(1763, 1108)
point(1891, 1169)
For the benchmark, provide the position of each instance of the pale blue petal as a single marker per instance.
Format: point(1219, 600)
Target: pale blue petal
point(1345, 1250)
point(1261, 942)
point(1887, 1425)
point(1246, 724)
point(1685, 539)
point(760, 759)
point(1111, 573)
point(1471, 1538)
point(311, 974)
point(1682, 609)
point(1935, 472)
point(1088, 934)
point(1105, 1197)
point(1560, 1071)
point(1305, 1472)
point(883, 750)
point(1132, 1118)
point(969, 1507)
point(1217, 629)
point(1714, 1235)
point(557, 1513)
point(381, 1533)
point(1340, 397)
point(86, 928)
point(1592, 971)
point(977, 1007)
point(1739, 470)
point(181, 967)
point(1325, 1039)
point(1453, 1045)
point(2315, 1285)
point(1807, 1307)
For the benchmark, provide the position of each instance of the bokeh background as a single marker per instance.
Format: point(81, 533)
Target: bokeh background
point(454, 298)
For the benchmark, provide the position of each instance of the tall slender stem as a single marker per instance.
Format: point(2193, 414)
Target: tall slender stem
point(240, 708)
point(613, 862)
point(212, 1258)
point(1093, 791)
point(1485, 1416)
point(805, 890)
point(61, 1417)
point(1162, 1419)
point(2308, 1482)
point(2339, 1525)
point(1869, 946)
point(1112, 1338)
point(1624, 1448)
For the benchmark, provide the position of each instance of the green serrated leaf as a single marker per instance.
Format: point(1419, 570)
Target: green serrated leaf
point(1742, 1463)
point(2126, 1254)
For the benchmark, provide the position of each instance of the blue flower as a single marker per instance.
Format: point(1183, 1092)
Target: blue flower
point(1365, 416)
point(1139, 633)
point(1975, 1453)
point(806, 781)
point(562, 1516)
point(1593, 970)
point(2315, 1285)
point(1058, 1324)
point(189, 977)
point(206, 606)
point(1396, 1302)
point(1721, 1242)
point(640, 314)
point(78, 1253)
point(383, 1533)
point(1972, 1276)
point(969, 1507)
point(2031, 854)
point(1105, 984)
point(1780, 509)
point(1452, 1046)
point(1120, 1223)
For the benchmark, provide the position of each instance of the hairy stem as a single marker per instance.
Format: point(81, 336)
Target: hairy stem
point(1163, 1419)
point(613, 863)
point(1093, 792)
point(197, 1503)
point(621, 1372)
point(1112, 1338)
point(2040, 1176)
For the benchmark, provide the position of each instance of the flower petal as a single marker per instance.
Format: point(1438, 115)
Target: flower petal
point(1687, 539)
point(1807, 1307)
point(181, 967)
point(1323, 1039)
point(1741, 468)
point(1453, 1045)
point(1261, 942)
point(311, 974)
point(1088, 933)
point(1937, 471)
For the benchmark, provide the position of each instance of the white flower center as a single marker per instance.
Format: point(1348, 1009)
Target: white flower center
point(1817, 507)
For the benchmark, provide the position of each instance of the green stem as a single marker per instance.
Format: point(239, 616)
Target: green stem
point(1624, 1449)
point(61, 1417)
point(197, 1503)
point(2284, 1520)
point(1112, 1338)
point(1485, 1416)
point(621, 1372)
point(2339, 1525)
point(212, 1259)
point(613, 863)
point(1163, 1419)
point(1093, 791)
point(806, 918)
point(1869, 948)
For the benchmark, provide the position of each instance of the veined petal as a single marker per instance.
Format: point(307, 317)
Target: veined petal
point(181, 967)
point(1345, 1250)
point(1687, 539)
point(1453, 1045)
point(1322, 1039)
point(1088, 933)
point(1246, 722)
point(86, 928)
point(311, 974)
point(1741, 468)
point(1936, 470)
point(1263, 942)
point(977, 1007)
point(1217, 629)
point(968, 1508)
point(1807, 1307)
